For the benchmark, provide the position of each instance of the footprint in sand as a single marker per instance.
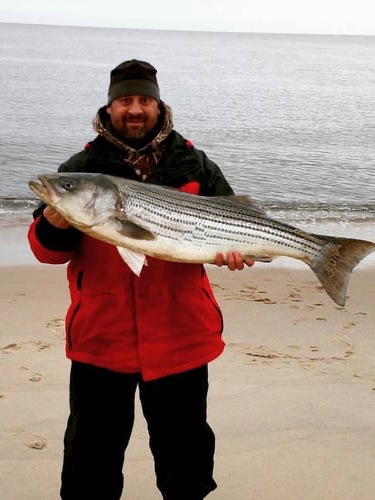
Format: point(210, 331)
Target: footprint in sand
point(15, 347)
point(42, 345)
point(36, 443)
point(57, 327)
point(310, 308)
point(36, 377)
point(348, 326)
point(295, 296)
point(265, 300)
point(10, 347)
point(251, 287)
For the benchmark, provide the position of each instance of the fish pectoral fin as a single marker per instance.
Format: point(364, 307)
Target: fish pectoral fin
point(132, 230)
point(134, 260)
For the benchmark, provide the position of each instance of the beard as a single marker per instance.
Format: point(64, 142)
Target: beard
point(138, 132)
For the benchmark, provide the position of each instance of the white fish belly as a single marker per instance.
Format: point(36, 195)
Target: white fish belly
point(176, 248)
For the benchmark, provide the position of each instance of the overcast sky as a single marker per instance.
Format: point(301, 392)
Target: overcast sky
point(356, 17)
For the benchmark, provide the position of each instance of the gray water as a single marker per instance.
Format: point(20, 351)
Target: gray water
point(290, 119)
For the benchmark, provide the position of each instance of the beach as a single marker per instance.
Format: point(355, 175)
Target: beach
point(288, 118)
point(292, 399)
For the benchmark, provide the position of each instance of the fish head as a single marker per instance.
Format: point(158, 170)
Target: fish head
point(85, 200)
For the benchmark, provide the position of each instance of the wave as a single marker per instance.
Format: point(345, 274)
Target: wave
point(20, 209)
point(320, 213)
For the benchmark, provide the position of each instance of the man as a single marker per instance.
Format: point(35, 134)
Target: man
point(156, 332)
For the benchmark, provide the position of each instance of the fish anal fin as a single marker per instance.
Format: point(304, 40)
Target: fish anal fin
point(134, 260)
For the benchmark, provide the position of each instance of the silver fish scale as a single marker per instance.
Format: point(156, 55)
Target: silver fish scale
point(209, 221)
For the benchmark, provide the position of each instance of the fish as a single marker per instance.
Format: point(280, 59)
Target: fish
point(143, 219)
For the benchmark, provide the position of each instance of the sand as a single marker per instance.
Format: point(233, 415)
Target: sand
point(292, 399)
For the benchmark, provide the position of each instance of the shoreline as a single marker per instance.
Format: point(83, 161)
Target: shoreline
point(291, 399)
point(15, 251)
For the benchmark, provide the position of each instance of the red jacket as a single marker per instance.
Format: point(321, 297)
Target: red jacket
point(164, 322)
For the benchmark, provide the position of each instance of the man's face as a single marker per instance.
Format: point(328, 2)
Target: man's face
point(133, 117)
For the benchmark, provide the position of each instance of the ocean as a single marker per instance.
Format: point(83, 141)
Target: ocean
point(290, 119)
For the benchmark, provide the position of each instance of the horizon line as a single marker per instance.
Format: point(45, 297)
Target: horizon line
point(189, 30)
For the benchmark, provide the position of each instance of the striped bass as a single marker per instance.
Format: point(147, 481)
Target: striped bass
point(145, 219)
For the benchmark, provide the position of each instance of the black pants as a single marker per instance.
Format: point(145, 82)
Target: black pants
point(101, 421)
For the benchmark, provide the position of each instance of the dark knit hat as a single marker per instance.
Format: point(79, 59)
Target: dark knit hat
point(133, 78)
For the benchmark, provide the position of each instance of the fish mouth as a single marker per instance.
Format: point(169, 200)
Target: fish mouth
point(44, 190)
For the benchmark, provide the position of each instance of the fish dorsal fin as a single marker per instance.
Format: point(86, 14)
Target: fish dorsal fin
point(243, 200)
point(134, 231)
point(134, 260)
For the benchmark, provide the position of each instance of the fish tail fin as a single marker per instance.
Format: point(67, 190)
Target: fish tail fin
point(336, 262)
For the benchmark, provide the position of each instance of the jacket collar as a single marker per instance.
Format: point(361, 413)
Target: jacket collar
point(102, 125)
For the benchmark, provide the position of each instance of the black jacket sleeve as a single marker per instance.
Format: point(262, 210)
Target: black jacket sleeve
point(54, 238)
point(214, 183)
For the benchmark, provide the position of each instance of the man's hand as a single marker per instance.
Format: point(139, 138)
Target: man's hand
point(234, 261)
point(55, 218)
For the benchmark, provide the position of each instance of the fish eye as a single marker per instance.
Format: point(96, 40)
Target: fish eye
point(69, 185)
